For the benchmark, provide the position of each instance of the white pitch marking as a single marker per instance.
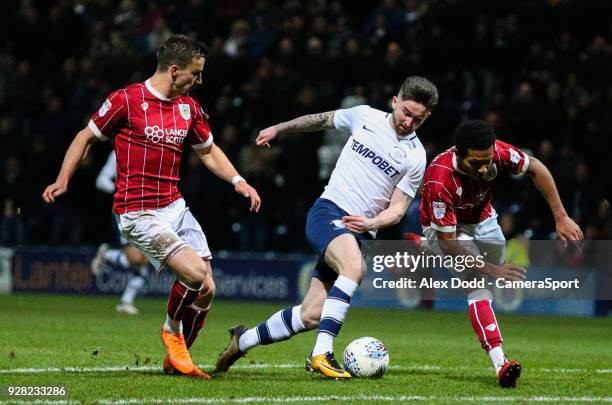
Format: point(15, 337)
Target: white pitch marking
point(268, 365)
point(381, 398)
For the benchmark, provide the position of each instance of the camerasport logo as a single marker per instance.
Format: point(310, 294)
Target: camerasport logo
point(156, 134)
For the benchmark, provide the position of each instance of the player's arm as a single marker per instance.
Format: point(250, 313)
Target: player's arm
point(566, 228)
point(305, 123)
point(75, 153)
point(451, 246)
point(217, 162)
point(390, 216)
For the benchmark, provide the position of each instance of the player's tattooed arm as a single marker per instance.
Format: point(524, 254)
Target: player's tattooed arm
point(305, 123)
point(308, 123)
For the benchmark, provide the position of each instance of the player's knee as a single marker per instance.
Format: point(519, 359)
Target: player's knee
point(311, 321)
point(479, 295)
point(208, 288)
point(310, 317)
point(355, 271)
point(194, 276)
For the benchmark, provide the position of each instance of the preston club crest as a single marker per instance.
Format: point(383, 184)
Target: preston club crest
point(185, 111)
point(397, 155)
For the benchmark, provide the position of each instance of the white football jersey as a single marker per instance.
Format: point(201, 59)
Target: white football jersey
point(373, 162)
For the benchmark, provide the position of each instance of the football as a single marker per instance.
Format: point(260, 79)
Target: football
point(366, 357)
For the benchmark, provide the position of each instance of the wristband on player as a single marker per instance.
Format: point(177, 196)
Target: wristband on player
point(237, 179)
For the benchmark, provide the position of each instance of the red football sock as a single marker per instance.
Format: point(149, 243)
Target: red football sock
point(180, 298)
point(485, 324)
point(193, 321)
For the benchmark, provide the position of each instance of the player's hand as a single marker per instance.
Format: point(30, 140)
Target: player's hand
point(359, 224)
point(266, 135)
point(54, 190)
point(243, 188)
point(510, 272)
point(567, 229)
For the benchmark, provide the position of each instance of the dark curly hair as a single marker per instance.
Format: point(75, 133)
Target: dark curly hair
point(474, 134)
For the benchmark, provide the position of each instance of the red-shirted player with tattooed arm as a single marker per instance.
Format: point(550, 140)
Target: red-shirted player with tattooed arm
point(456, 205)
point(150, 122)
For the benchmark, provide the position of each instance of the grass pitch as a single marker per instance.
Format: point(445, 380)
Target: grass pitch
point(104, 357)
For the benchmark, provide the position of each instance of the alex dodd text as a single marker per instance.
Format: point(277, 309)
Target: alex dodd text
point(548, 283)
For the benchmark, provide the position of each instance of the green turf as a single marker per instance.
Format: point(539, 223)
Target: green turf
point(434, 356)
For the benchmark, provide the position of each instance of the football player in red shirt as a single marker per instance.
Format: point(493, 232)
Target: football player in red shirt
point(150, 122)
point(456, 205)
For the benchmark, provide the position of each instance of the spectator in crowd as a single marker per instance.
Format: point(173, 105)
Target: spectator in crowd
point(529, 68)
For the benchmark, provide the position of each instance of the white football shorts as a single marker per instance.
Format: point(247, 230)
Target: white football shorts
point(163, 232)
point(485, 238)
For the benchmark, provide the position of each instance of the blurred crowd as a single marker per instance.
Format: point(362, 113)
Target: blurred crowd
point(539, 71)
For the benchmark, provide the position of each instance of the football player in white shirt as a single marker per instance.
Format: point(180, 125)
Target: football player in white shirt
point(375, 179)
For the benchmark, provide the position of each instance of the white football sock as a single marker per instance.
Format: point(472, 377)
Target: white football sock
point(134, 285)
point(117, 257)
point(498, 358)
point(334, 311)
point(248, 340)
point(173, 326)
point(280, 326)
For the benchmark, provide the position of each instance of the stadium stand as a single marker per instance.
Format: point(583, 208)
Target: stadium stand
point(533, 69)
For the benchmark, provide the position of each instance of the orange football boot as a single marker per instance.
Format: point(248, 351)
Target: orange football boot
point(177, 353)
point(167, 367)
point(200, 374)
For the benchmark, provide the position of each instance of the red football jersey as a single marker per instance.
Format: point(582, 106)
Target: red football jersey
point(149, 131)
point(449, 197)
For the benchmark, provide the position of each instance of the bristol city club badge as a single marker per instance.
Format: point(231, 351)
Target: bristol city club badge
point(185, 111)
point(439, 209)
point(514, 156)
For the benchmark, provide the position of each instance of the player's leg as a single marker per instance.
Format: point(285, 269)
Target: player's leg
point(288, 322)
point(487, 329)
point(106, 254)
point(136, 280)
point(489, 239)
point(344, 256)
point(195, 315)
point(154, 233)
point(479, 239)
point(193, 274)
point(311, 313)
point(180, 245)
point(282, 325)
point(190, 231)
point(193, 312)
